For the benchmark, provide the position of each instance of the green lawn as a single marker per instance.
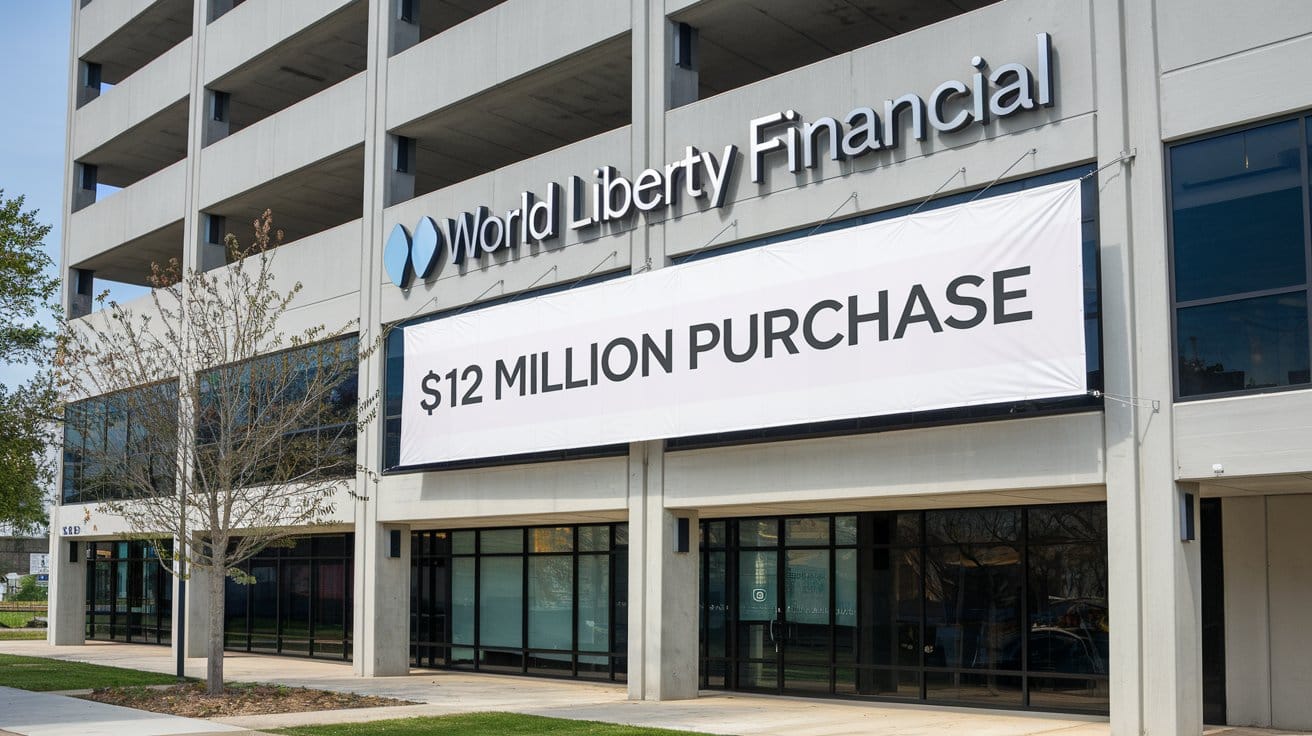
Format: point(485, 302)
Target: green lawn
point(37, 673)
point(16, 634)
point(478, 723)
point(17, 619)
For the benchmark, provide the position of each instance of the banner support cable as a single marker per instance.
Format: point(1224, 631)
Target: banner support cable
point(825, 221)
point(593, 270)
point(707, 244)
point(1005, 171)
point(1122, 157)
point(934, 194)
point(1135, 401)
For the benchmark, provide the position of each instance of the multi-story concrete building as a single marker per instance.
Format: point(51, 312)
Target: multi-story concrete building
point(1080, 486)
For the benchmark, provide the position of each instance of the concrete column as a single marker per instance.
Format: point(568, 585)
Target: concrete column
point(81, 298)
point(88, 83)
point(84, 188)
point(663, 590)
point(382, 625)
point(1154, 577)
point(197, 601)
point(403, 25)
point(1247, 615)
point(399, 173)
point(217, 116)
point(381, 634)
point(218, 7)
point(67, 607)
point(682, 63)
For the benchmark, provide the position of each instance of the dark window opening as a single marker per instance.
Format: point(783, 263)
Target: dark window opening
point(994, 607)
point(129, 592)
point(1241, 253)
point(547, 601)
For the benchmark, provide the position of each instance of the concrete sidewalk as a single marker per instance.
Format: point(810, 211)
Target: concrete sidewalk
point(45, 714)
point(444, 692)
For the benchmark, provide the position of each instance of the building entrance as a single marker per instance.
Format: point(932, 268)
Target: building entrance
point(796, 593)
point(1001, 607)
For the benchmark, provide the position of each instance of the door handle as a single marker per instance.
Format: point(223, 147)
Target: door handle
point(774, 638)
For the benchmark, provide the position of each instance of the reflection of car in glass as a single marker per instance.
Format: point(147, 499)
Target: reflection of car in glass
point(1070, 636)
point(1064, 650)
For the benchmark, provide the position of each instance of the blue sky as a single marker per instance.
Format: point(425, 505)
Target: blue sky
point(33, 91)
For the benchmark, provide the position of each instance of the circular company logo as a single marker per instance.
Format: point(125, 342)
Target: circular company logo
point(404, 256)
point(758, 595)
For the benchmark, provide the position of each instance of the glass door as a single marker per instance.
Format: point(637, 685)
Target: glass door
point(759, 628)
point(785, 625)
point(804, 628)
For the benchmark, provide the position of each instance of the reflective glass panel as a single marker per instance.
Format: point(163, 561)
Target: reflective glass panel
point(758, 532)
point(1068, 627)
point(981, 526)
point(551, 602)
point(1237, 203)
point(716, 604)
point(594, 603)
point(462, 543)
point(972, 607)
point(1244, 344)
point(974, 688)
point(758, 588)
point(813, 530)
point(594, 538)
point(462, 601)
point(501, 604)
point(551, 539)
point(494, 541)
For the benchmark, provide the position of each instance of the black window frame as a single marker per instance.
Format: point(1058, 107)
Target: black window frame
point(1304, 118)
point(426, 551)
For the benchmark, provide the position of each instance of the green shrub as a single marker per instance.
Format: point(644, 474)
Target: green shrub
point(28, 590)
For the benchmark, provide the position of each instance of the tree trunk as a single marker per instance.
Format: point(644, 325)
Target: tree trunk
point(214, 663)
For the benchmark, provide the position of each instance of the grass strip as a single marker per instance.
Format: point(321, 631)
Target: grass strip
point(479, 723)
point(22, 634)
point(41, 674)
point(17, 619)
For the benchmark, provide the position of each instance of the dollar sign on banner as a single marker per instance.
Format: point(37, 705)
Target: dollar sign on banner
point(431, 390)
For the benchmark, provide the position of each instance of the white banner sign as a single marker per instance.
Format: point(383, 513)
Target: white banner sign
point(979, 303)
point(38, 563)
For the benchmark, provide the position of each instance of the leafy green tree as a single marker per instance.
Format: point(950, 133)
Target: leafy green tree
point(27, 292)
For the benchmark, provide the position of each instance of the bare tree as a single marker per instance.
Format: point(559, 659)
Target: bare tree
point(208, 422)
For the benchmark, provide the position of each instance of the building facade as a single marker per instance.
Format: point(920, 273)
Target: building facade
point(1076, 484)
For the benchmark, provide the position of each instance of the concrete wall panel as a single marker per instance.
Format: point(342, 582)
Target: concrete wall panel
point(1247, 631)
point(1014, 455)
point(1260, 83)
point(577, 488)
point(502, 43)
point(98, 21)
point(305, 133)
point(1248, 435)
point(144, 207)
point(1191, 32)
point(1290, 571)
point(152, 88)
point(255, 27)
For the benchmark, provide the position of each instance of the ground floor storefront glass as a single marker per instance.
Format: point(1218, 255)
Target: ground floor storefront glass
point(300, 602)
point(1002, 607)
point(536, 600)
point(129, 593)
